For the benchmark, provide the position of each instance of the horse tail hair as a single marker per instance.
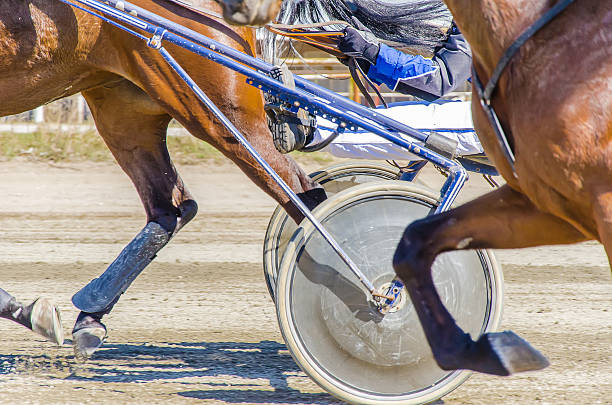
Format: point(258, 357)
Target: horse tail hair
point(417, 24)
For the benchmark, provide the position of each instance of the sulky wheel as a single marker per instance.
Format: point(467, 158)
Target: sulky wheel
point(333, 332)
point(334, 179)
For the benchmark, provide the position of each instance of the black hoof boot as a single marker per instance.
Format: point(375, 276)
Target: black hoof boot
point(88, 335)
point(291, 130)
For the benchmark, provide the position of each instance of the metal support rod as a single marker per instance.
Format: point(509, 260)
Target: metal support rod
point(242, 140)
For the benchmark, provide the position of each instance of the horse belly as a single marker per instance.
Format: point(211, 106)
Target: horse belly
point(43, 49)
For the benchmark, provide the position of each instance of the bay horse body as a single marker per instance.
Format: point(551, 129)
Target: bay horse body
point(554, 101)
point(49, 50)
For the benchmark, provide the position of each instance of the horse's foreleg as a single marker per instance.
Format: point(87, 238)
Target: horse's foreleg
point(134, 128)
point(243, 106)
point(503, 218)
point(41, 316)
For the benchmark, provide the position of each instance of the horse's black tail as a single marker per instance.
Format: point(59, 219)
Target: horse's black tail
point(418, 24)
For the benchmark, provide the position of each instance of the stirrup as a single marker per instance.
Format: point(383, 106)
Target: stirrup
point(291, 130)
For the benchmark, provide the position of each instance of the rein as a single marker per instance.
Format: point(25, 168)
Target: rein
point(486, 92)
point(327, 41)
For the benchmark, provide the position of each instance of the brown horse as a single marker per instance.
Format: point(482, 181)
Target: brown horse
point(554, 101)
point(50, 50)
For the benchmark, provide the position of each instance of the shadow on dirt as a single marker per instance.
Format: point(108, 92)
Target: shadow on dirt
point(229, 371)
point(216, 364)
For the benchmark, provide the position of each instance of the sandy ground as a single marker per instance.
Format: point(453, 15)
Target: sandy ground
point(198, 325)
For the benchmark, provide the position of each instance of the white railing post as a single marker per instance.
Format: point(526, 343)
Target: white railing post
point(39, 114)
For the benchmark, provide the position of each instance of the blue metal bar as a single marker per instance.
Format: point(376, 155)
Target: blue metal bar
point(480, 168)
point(319, 98)
point(342, 103)
point(122, 7)
point(135, 22)
point(307, 93)
point(345, 118)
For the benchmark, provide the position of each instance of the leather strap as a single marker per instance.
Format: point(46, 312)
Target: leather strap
point(355, 70)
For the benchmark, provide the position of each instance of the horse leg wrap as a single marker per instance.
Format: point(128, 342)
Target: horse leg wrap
point(101, 293)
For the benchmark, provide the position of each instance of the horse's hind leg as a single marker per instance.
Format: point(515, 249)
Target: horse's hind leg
point(503, 218)
point(41, 316)
point(603, 220)
point(134, 128)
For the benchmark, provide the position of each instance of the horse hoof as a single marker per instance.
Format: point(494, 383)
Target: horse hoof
point(46, 320)
point(512, 353)
point(87, 340)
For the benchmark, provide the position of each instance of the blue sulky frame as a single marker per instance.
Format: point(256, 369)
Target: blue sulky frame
point(307, 95)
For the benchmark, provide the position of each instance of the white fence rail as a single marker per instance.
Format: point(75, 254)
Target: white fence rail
point(70, 114)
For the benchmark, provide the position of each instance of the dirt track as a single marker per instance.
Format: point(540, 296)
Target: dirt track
point(174, 338)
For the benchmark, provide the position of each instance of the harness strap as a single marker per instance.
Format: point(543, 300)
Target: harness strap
point(316, 36)
point(485, 93)
point(297, 27)
point(502, 139)
point(355, 71)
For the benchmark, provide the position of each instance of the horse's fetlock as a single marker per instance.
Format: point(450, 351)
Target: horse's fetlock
point(449, 355)
point(166, 219)
point(188, 210)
